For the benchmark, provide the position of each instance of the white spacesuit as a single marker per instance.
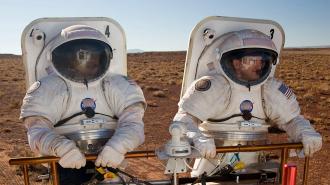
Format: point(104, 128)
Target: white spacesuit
point(81, 107)
point(237, 104)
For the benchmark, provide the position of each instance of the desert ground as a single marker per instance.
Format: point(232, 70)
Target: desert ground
point(159, 74)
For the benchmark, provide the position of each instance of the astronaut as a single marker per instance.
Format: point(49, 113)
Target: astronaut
point(236, 105)
point(82, 108)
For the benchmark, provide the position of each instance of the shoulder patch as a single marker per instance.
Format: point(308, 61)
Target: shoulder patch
point(285, 90)
point(203, 85)
point(33, 87)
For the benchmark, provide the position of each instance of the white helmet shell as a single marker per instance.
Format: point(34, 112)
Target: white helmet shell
point(44, 35)
point(247, 38)
point(75, 32)
point(247, 43)
point(80, 54)
point(206, 43)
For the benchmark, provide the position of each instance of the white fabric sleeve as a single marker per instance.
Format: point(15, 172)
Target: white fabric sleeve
point(129, 133)
point(200, 96)
point(189, 122)
point(121, 93)
point(300, 130)
point(43, 140)
point(283, 109)
point(297, 128)
point(46, 98)
point(280, 103)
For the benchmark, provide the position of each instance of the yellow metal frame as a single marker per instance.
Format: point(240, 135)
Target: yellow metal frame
point(146, 154)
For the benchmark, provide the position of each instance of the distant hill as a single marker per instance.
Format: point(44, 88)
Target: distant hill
point(309, 47)
point(132, 51)
point(135, 51)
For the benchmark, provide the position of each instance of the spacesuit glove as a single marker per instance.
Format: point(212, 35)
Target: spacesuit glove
point(72, 159)
point(205, 146)
point(312, 142)
point(109, 157)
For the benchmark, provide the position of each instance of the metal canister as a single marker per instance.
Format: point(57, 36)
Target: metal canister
point(289, 174)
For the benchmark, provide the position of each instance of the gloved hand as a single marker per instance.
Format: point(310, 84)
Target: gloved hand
point(72, 159)
point(44, 140)
point(312, 142)
point(300, 130)
point(109, 157)
point(205, 146)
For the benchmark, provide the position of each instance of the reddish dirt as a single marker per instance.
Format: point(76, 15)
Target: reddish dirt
point(160, 75)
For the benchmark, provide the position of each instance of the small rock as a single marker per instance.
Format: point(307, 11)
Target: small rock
point(308, 96)
point(324, 89)
point(323, 114)
point(318, 120)
point(152, 104)
point(6, 130)
point(171, 82)
point(159, 94)
point(300, 88)
point(151, 88)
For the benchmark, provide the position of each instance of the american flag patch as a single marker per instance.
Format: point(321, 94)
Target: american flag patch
point(285, 90)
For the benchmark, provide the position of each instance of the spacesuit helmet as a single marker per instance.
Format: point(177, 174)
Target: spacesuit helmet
point(83, 58)
point(247, 57)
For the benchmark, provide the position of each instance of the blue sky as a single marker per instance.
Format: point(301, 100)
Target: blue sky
point(154, 25)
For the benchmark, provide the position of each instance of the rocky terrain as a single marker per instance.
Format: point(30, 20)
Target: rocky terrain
point(159, 74)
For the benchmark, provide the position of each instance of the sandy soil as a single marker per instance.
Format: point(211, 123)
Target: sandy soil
point(159, 74)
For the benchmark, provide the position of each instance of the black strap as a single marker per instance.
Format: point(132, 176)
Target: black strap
point(224, 119)
point(61, 122)
point(232, 116)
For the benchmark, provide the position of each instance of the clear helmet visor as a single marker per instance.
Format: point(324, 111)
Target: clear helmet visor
point(248, 66)
point(82, 60)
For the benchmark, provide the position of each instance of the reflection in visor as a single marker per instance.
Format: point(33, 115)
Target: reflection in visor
point(248, 66)
point(82, 60)
point(83, 56)
point(262, 60)
point(252, 60)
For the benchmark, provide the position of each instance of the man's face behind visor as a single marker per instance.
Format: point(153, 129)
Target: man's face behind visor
point(83, 60)
point(87, 63)
point(249, 66)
